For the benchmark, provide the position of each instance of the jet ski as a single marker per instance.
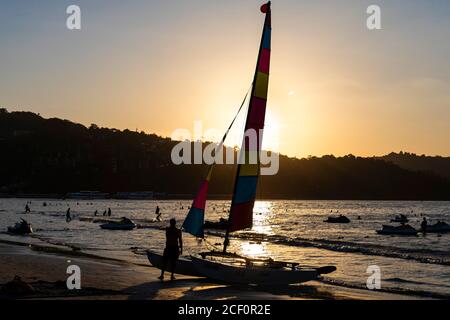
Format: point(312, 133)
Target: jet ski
point(22, 228)
point(401, 219)
point(339, 219)
point(123, 224)
point(219, 225)
point(403, 230)
point(439, 227)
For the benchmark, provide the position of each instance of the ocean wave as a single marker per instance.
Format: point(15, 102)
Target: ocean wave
point(419, 255)
point(406, 281)
point(401, 280)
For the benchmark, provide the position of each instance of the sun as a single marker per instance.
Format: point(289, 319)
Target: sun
point(271, 138)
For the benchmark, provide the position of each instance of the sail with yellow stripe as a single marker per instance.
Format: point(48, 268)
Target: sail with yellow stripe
point(194, 222)
point(241, 212)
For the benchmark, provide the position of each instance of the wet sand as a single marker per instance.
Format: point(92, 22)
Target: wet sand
point(106, 279)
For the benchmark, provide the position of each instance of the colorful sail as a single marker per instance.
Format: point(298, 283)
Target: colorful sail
point(241, 213)
point(195, 219)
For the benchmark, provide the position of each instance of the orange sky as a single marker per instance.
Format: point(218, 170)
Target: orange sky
point(335, 87)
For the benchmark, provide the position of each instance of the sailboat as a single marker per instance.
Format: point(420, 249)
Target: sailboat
point(222, 265)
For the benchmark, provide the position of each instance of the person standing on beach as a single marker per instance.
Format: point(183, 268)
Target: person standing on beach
point(174, 247)
point(68, 217)
point(109, 212)
point(27, 208)
point(158, 213)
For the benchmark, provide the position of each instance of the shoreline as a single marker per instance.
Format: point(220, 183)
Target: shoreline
point(105, 278)
point(174, 197)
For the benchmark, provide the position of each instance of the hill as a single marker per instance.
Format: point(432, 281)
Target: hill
point(58, 156)
point(437, 164)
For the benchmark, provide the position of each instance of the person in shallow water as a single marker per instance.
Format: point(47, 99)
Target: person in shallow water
point(27, 208)
point(68, 217)
point(109, 212)
point(424, 224)
point(174, 247)
point(158, 213)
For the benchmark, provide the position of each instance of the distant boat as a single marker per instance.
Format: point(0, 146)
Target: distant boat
point(403, 230)
point(338, 219)
point(87, 195)
point(123, 224)
point(439, 227)
point(146, 195)
point(401, 219)
point(222, 224)
point(21, 228)
point(230, 267)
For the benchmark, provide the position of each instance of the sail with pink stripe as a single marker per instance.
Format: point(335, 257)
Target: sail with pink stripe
point(195, 219)
point(194, 222)
point(241, 213)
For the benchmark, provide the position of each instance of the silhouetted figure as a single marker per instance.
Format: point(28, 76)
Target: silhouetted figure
point(95, 213)
point(109, 212)
point(424, 224)
point(174, 247)
point(158, 213)
point(68, 217)
point(104, 213)
point(44, 204)
point(27, 208)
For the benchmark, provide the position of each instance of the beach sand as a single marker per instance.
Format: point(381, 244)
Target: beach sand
point(108, 279)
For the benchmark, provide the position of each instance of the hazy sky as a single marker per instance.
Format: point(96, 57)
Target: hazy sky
point(335, 86)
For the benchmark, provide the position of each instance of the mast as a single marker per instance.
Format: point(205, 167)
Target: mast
point(195, 220)
point(246, 181)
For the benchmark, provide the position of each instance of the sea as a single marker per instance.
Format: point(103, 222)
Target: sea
point(293, 231)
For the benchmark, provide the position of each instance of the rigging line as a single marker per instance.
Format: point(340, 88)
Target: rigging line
point(228, 130)
point(232, 122)
point(220, 145)
point(210, 244)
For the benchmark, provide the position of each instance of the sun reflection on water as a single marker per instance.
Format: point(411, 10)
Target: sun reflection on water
point(254, 249)
point(262, 217)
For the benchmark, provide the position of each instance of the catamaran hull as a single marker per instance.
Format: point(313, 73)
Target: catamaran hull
point(259, 276)
point(184, 265)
